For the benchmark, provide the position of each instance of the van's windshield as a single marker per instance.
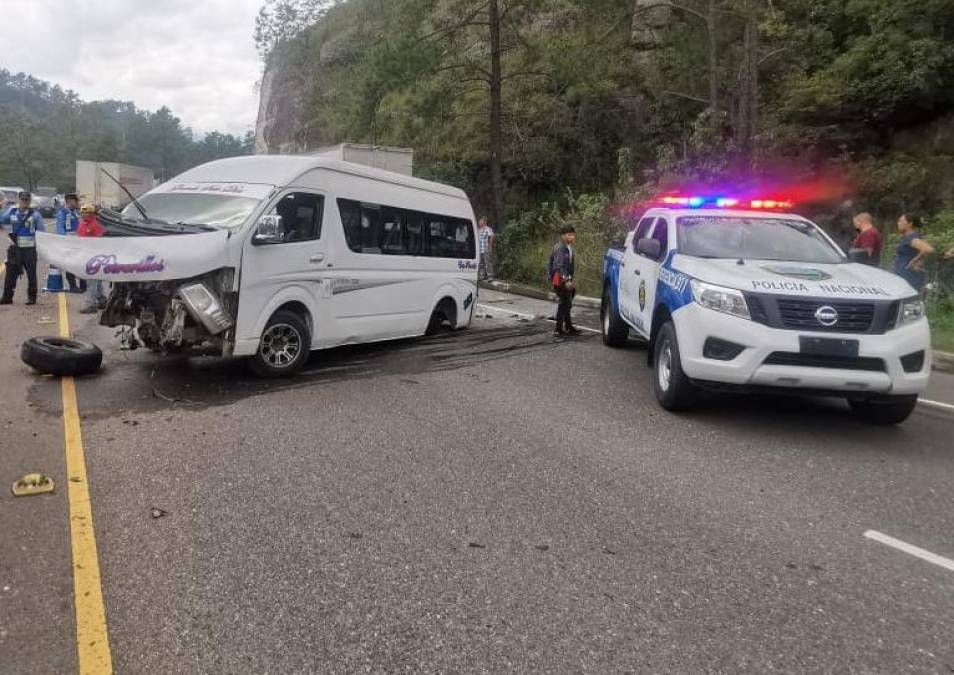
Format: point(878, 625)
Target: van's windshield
point(755, 238)
point(218, 211)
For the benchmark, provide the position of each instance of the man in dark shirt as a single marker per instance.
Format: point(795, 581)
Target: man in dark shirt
point(868, 239)
point(562, 266)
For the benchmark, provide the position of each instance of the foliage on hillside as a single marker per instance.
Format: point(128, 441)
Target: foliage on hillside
point(849, 104)
point(45, 129)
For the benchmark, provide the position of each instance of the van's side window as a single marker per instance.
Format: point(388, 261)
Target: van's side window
point(415, 243)
point(351, 220)
point(301, 214)
point(370, 228)
point(392, 231)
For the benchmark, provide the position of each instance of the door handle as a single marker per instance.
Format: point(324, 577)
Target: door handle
point(317, 258)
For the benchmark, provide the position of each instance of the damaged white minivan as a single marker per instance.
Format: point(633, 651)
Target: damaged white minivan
point(270, 257)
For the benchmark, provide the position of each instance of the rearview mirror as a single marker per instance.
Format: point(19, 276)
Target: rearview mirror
point(649, 248)
point(269, 230)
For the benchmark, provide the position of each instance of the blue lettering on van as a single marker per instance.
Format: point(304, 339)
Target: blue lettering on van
point(466, 265)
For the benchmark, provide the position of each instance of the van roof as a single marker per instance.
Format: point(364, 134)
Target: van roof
point(285, 170)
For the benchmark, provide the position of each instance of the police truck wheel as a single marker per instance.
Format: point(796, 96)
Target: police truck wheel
point(61, 356)
point(884, 410)
point(615, 331)
point(674, 390)
point(284, 347)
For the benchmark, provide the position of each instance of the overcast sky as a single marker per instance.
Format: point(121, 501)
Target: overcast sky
point(194, 56)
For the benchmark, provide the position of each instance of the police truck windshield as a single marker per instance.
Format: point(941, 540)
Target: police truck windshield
point(219, 211)
point(754, 238)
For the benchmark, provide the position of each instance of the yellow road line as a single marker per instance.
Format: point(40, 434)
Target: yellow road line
point(92, 636)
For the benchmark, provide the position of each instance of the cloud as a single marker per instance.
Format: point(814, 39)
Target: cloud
point(194, 56)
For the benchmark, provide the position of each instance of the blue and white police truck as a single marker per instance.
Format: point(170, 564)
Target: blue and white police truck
point(737, 294)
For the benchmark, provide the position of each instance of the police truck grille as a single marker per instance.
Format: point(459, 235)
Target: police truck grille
point(853, 317)
point(799, 313)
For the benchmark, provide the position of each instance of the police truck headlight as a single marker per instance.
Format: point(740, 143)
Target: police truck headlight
point(911, 311)
point(720, 299)
point(205, 308)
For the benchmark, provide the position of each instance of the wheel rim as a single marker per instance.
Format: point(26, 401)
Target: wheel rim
point(664, 365)
point(281, 345)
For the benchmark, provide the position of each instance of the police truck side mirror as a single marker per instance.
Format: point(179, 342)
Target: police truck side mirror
point(649, 248)
point(859, 255)
point(269, 230)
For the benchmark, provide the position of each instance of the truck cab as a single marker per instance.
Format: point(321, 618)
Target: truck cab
point(761, 299)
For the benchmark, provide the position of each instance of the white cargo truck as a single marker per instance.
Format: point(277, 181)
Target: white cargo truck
point(94, 185)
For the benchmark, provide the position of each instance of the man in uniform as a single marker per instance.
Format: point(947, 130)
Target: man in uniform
point(67, 224)
point(24, 223)
point(562, 266)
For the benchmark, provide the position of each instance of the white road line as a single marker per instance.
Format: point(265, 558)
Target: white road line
point(936, 404)
point(525, 316)
point(946, 563)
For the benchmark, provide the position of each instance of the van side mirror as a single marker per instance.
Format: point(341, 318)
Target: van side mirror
point(269, 230)
point(859, 255)
point(650, 248)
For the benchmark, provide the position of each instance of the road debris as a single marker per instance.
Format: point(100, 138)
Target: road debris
point(33, 484)
point(156, 512)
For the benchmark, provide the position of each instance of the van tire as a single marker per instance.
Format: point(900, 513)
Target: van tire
point(614, 329)
point(674, 390)
point(61, 356)
point(884, 410)
point(284, 346)
point(445, 311)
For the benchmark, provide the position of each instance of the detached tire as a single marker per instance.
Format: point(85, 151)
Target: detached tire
point(615, 331)
point(674, 390)
point(284, 347)
point(884, 410)
point(61, 356)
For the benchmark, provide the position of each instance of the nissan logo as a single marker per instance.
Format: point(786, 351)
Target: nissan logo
point(827, 315)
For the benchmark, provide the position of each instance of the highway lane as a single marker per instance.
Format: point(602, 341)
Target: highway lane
point(496, 500)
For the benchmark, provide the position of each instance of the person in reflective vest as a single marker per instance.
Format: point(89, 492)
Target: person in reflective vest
point(67, 224)
point(24, 223)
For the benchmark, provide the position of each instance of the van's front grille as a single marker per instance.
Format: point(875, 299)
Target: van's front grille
point(873, 317)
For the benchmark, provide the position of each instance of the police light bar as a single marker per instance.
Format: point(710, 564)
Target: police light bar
point(697, 202)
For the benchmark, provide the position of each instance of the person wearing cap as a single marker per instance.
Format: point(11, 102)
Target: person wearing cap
point(89, 226)
point(24, 223)
point(562, 266)
point(67, 224)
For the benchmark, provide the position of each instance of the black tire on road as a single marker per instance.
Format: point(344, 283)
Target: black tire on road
point(674, 390)
point(615, 331)
point(61, 356)
point(284, 347)
point(884, 410)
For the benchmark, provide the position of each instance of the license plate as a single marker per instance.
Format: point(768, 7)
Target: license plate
point(827, 346)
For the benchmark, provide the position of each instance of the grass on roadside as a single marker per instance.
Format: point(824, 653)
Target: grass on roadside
point(942, 332)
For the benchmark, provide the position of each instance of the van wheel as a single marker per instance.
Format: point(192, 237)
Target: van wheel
point(284, 347)
point(446, 311)
point(674, 390)
point(884, 410)
point(615, 331)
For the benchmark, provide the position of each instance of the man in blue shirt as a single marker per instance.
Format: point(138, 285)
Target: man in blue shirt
point(24, 223)
point(67, 223)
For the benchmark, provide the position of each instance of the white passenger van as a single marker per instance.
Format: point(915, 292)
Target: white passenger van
point(271, 256)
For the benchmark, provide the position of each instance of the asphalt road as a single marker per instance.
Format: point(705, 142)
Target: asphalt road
point(487, 500)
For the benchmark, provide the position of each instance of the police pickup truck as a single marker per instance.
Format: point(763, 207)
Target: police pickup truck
point(734, 294)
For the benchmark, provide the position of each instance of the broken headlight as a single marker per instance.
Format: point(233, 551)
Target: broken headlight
point(205, 308)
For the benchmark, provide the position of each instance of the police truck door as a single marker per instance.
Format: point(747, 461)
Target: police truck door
point(630, 278)
point(647, 266)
